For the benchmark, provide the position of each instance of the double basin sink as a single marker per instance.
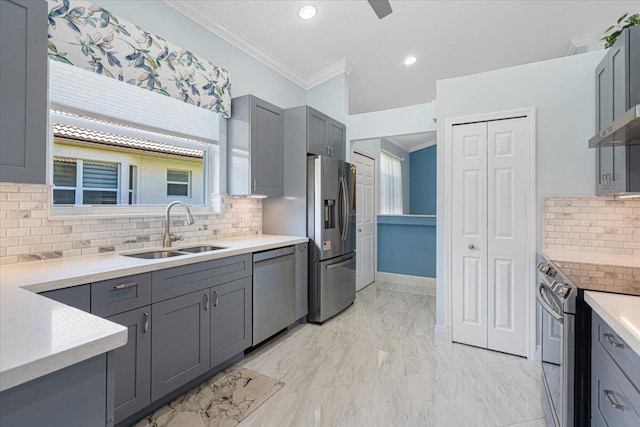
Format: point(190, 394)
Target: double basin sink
point(177, 252)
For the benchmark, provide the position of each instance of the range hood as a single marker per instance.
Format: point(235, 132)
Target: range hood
point(625, 130)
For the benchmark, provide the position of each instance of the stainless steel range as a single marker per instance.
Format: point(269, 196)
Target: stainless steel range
point(557, 322)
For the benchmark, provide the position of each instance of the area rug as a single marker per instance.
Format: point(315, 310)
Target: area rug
point(222, 401)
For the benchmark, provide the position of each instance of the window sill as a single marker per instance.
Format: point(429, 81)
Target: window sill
point(95, 212)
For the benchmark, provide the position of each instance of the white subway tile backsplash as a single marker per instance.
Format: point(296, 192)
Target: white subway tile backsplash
point(601, 225)
point(27, 234)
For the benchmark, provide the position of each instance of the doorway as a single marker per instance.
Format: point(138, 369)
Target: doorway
point(365, 219)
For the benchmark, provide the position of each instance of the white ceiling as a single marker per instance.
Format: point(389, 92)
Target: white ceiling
point(449, 38)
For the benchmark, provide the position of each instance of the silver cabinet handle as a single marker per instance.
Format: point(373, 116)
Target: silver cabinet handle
point(611, 339)
point(255, 184)
point(215, 303)
point(609, 394)
point(206, 301)
point(360, 230)
point(145, 328)
point(472, 246)
point(125, 285)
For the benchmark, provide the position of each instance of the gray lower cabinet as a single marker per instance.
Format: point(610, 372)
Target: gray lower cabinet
point(180, 348)
point(133, 363)
point(23, 85)
point(615, 379)
point(302, 280)
point(74, 396)
point(230, 319)
point(76, 296)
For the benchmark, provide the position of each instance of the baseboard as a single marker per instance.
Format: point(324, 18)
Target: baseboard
point(406, 279)
point(441, 333)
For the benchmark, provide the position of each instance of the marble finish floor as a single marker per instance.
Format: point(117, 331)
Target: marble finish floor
point(377, 364)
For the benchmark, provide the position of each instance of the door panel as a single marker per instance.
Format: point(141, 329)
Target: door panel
point(337, 140)
point(317, 137)
point(267, 149)
point(469, 239)
point(619, 104)
point(507, 236)
point(365, 228)
point(231, 306)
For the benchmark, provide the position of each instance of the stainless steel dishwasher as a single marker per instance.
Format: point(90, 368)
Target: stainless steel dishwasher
point(274, 274)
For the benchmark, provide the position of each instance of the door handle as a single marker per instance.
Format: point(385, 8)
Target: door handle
point(345, 209)
point(145, 327)
point(472, 246)
point(609, 394)
point(611, 339)
point(547, 307)
point(206, 301)
point(125, 286)
point(215, 302)
point(339, 264)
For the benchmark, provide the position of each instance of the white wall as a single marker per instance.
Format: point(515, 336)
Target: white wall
point(248, 76)
point(331, 98)
point(563, 93)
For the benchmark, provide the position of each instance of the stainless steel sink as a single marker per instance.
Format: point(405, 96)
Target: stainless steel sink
point(198, 249)
point(155, 254)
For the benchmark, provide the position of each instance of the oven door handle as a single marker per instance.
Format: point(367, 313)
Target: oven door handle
point(547, 307)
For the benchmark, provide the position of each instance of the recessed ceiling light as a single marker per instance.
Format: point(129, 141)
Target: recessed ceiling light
point(307, 12)
point(410, 60)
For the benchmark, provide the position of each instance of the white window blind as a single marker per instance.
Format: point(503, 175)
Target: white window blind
point(390, 184)
point(76, 90)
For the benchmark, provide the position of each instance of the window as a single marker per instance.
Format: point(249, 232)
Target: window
point(390, 184)
point(118, 148)
point(84, 182)
point(178, 183)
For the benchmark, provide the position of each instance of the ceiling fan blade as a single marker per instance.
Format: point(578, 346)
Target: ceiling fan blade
point(382, 8)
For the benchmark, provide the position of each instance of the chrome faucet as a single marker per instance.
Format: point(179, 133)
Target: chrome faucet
point(166, 241)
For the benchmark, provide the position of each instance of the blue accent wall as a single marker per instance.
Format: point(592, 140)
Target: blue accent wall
point(422, 181)
point(407, 245)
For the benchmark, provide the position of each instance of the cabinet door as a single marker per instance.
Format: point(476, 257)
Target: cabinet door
point(230, 319)
point(133, 363)
point(302, 280)
point(76, 296)
point(23, 85)
point(267, 148)
point(618, 65)
point(317, 133)
point(181, 337)
point(604, 118)
point(337, 139)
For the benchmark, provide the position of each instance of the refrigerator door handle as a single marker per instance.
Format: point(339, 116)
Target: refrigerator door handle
point(345, 209)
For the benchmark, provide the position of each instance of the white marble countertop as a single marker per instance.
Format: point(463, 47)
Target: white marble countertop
point(621, 312)
point(593, 258)
point(39, 336)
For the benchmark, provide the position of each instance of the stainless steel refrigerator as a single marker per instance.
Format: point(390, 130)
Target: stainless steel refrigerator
point(331, 216)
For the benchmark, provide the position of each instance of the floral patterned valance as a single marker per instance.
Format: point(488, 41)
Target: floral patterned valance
point(90, 37)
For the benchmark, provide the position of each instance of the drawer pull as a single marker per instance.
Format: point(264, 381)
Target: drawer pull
point(612, 341)
point(206, 301)
point(609, 394)
point(215, 303)
point(145, 328)
point(125, 285)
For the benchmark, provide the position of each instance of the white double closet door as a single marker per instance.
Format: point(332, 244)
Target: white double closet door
point(489, 235)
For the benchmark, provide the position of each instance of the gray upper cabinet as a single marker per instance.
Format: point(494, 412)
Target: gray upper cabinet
point(617, 90)
point(302, 280)
point(324, 135)
point(23, 91)
point(230, 320)
point(255, 138)
point(132, 363)
point(181, 341)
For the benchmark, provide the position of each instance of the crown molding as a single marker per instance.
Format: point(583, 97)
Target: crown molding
point(395, 141)
point(191, 11)
point(343, 66)
point(422, 145)
point(592, 42)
